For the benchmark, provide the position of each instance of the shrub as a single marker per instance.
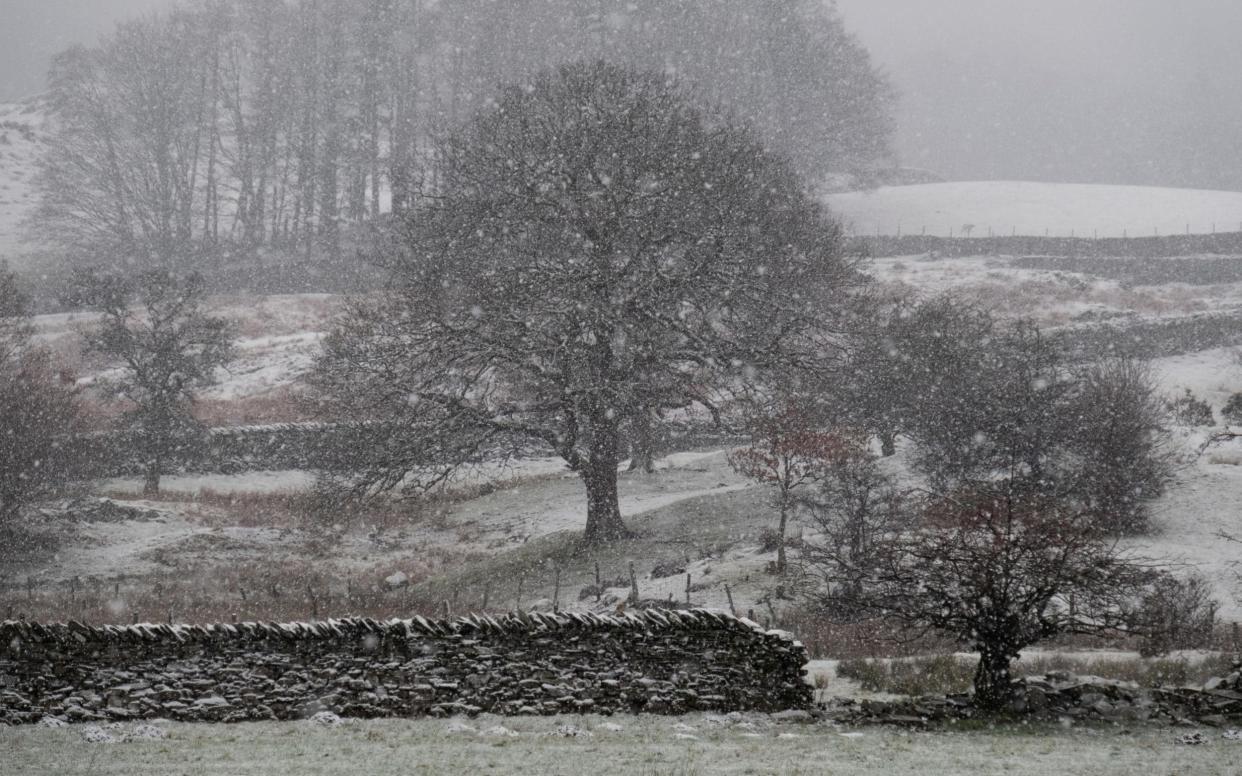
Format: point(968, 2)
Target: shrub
point(936, 675)
point(1232, 411)
point(1189, 410)
point(943, 674)
point(1174, 614)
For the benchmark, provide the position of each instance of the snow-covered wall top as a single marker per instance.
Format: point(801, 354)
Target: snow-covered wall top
point(650, 661)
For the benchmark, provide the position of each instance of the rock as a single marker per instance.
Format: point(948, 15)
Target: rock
point(52, 722)
point(396, 581)
point(571, 731)
point(667, 569)
point(1036, 699)
point(1191, 739)
point(146, 733)
point(92, 734)
point(1089, 699)
point(211, 702)
point(325, 719)
point(792, 715)
point(500, 731)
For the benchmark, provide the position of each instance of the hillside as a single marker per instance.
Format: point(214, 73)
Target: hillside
point(21, 142)
point(1028, 208)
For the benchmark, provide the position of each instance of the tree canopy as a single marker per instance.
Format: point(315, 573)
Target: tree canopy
point(597, 246)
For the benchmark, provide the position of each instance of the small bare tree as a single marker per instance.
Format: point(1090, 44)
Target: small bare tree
point(168, 348)
point(789, 454)
point(1000, 568)
point(852, 506)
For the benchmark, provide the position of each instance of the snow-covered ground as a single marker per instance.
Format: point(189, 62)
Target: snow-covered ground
point(1029, 208)
point(278, 338)
point(573, 745)
point(1052, 297)
point(696, 502)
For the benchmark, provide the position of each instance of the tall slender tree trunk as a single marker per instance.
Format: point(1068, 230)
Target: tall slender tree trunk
point(599, 474)
point(151, 478)
point(780, 532)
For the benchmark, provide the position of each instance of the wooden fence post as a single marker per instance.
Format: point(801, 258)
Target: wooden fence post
point(556, 592)
point(633, 585)
point(729, 595)
point(687, 588)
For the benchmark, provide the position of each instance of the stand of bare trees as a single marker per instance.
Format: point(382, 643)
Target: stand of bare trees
point(224, 128)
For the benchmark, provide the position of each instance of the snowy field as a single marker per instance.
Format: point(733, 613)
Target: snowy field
point(1029, 208)
point(1052, 297)
point(692, 744)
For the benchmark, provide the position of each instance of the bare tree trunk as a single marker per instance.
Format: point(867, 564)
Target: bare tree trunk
point(599, 474)
point(151, 478)
point(993, 687)
point(888, 444)
point(780, 548)
point(642, 443)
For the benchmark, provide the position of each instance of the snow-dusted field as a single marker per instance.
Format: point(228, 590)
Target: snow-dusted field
point(1028, 208)
point(1052, 297)
point(692, 744)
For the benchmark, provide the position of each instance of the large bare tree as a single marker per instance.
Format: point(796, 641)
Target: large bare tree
point(596, 244)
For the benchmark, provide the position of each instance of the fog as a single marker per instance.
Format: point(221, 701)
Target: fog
point(1087, 91)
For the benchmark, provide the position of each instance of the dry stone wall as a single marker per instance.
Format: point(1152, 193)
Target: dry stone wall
point(651, 661)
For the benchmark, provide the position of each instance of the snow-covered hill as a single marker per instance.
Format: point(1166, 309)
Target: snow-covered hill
point(1027, 208)
point(21, 143)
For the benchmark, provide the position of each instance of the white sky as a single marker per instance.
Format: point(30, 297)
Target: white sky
point(1105, 91)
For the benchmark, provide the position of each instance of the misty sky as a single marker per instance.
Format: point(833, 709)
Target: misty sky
point(1093, 91)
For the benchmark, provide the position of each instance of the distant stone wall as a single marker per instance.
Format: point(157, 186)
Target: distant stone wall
point(318, 446)
point(651, 661)
point(1223, 243)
